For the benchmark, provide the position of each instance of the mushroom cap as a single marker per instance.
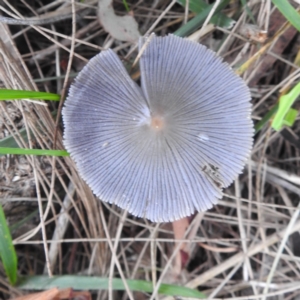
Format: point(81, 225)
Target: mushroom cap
point(166, 149)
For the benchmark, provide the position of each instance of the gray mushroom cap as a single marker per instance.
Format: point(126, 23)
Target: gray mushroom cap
point(166, 149)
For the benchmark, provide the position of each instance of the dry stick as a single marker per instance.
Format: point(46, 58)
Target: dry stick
point(57, 64)
point(92, 25)
point(37, 166)
point(63, 92)
point(262, 50)
point(40, 72)
point(128, 246)
point(114, 256)
point(146, 43)
point(11, 7)
point(232, 261)
point(246, 266)
point(33, 232)
point(62, 223)
point(283, 183)
point(285, 288)
point(186, 11)
point(44, 19)
point(40, 205)
point(53, 4)
point(37, 29)
point(222, 284)
point(264, 14)
point(92, 260)
point(177, 247)
point(35, 21)
point(29, 7)
point(268, 13)
point(155, 290)
point(132, 239)
point(58, 44)
point(152, 26)
point(259, 184)
point(138, 261)
point(49, 204)
point(47, 18)
point(42, 141)
point(160, 17)
point(286, 200)
point(280, 250)
point(218, 249)
point(15, 68)
point(32, 162)
point(61, 102)
point(61, 226)
point(291, 177)
point(249, 206)
point(279, 57)
point(20, 140)
point(153, 254)
point(150, 13)
point(209, 16)
point(41, 54)
point(231, 33)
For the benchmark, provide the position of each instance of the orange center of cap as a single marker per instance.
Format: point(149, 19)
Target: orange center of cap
point(157, 123)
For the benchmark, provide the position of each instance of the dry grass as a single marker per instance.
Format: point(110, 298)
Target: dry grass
point(247, 247)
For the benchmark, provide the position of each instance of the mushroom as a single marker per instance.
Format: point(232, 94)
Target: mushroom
point(166, 149)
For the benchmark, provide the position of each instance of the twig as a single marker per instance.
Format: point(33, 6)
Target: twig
point(34, 21)
point(286, 235)
point(211, 13)
point(61, 226)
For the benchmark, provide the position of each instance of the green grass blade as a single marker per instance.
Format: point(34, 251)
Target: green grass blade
point(197, 21)
point(194, 23)
point(289, 12)
point(266, 118)
point(19, 94)
point(285, 103)
point(45, 79)
point(25, 220)
point(290, 117)
point(248, 11)
point(99, 283)
point(126, 5)
point(202, 10)
point(195, 6)
point(10, 141)
point(7, 250)
point(22, 151)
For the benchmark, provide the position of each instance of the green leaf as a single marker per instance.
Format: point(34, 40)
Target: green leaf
point(289, 12)
point(285, 103)
point(19, 94)
point(7, 250)
point(22, 151)
point(100, 283)
point(196, 22)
